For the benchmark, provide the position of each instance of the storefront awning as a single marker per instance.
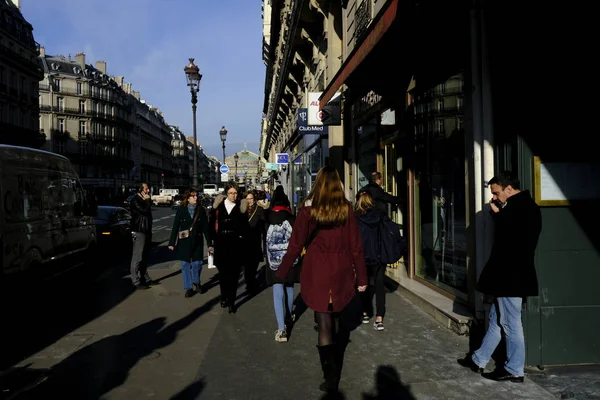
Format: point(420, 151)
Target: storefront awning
point(359, 53)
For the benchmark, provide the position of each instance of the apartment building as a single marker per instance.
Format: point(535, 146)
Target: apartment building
point(86, 116)
point(439, 96)
point(20, 74)
point(181, 162)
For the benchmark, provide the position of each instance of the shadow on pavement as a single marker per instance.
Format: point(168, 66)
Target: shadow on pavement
point(389, 386)
point(104, 365)
point(39, 312)
point(191, 392)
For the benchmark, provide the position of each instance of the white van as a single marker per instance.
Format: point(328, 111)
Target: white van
point(44, 214)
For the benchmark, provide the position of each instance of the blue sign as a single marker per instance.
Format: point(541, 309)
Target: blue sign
point(304, 128)
point(224, 169)
point(283, 158)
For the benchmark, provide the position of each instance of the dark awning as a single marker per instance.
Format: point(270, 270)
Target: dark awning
point(376, 31)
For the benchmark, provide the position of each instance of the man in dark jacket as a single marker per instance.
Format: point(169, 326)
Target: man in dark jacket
point(380, 197)
point(141, 227)
point(508, 276)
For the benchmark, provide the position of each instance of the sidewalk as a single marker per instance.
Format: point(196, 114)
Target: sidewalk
point(158, 344)
point(244, 362)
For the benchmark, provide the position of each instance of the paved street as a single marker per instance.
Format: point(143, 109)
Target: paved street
point(88, 335)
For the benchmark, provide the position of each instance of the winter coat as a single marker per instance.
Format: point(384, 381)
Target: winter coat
point(191, 248)
point(510, 270)
point(333, 265)
point(256, 235)
point(228, 232)
point(368, 225)
point(276, 216)
point(141, 215)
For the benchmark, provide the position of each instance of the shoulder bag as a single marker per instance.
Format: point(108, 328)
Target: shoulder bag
point(184, 234)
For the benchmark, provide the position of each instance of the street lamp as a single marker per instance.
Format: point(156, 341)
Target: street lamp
point(236, 158)
point(193, 76)
point(246, 176)
point(223, 133)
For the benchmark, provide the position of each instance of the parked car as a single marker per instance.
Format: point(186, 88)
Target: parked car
point(44, 211)
point(113, 226)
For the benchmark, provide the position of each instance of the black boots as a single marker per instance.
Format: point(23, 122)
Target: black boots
point(331, 371)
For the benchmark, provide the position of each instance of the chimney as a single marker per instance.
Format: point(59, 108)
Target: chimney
point(101, 66)
point(80, 59)
point(17, 3)
point(42, 51)
point(135, 94)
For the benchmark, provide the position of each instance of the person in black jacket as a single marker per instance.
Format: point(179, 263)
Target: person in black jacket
point(369, 220)
point(255, 242)
point(508, 276)
point(380, 197)
point(141, 228)
point(228, 230)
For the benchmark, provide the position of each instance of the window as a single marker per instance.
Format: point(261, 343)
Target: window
point(60, 103)
point(81, 106)
point(82, 128)
point(79, 88)
point(56, 85)
point(61, 125)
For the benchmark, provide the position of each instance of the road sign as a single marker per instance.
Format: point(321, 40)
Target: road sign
point(271, 166)
point(224, 169)
point(224, 177)
point(283, 158)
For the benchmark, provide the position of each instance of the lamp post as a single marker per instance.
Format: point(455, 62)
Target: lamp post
point(246, 176)
point(223, 133)
point(193, 76)
point(236, 158)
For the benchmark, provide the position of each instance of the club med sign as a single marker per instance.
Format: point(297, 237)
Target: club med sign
point(304, 127)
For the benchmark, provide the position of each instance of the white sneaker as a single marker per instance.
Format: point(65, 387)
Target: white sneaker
point(280, 335)
point(378, 326)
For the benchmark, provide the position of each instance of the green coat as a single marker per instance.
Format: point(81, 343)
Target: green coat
point(191, 248)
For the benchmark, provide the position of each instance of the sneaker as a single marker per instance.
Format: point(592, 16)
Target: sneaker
point(365, 319)
point(280, 335)
point(190, 293)
point(378, 326)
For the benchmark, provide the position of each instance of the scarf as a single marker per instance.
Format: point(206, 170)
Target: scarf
point(191, 209)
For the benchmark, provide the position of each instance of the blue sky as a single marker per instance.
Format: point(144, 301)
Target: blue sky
point(149, 43)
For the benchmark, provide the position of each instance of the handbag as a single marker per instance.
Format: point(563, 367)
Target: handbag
point(184, 234)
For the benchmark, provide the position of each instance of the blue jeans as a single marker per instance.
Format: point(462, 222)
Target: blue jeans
point(505, 316)
point(191, 273)
point(278, 300)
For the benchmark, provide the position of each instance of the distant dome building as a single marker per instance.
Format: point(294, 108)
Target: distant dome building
point(244, 168)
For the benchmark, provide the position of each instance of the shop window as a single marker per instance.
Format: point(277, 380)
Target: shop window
point(440, 207)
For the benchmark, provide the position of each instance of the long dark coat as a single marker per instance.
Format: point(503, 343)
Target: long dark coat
point(334, 262)
point(191, 248)
point(232, 231)
point(510, 271)
point(256, 234)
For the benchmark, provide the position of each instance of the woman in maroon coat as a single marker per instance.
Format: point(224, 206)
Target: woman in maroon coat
point(332, 268)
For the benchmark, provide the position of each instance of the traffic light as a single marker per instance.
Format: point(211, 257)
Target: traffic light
point(201, 176)
point(162, 175)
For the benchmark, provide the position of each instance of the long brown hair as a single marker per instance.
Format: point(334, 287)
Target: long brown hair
point(329, 206)
point(364, 202)
point(186, 196)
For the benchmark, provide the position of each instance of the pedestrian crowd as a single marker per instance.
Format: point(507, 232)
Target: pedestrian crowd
point(337, 252)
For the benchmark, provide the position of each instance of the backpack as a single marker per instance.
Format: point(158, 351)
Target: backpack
point(277, 239)
point(392, 243)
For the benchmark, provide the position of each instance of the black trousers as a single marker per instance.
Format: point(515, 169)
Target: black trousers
point(377, 288)
point(250, 269)
point(229, 276)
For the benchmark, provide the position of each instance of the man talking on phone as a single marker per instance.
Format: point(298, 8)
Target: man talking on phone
point(509, 276)
point(141, 228)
